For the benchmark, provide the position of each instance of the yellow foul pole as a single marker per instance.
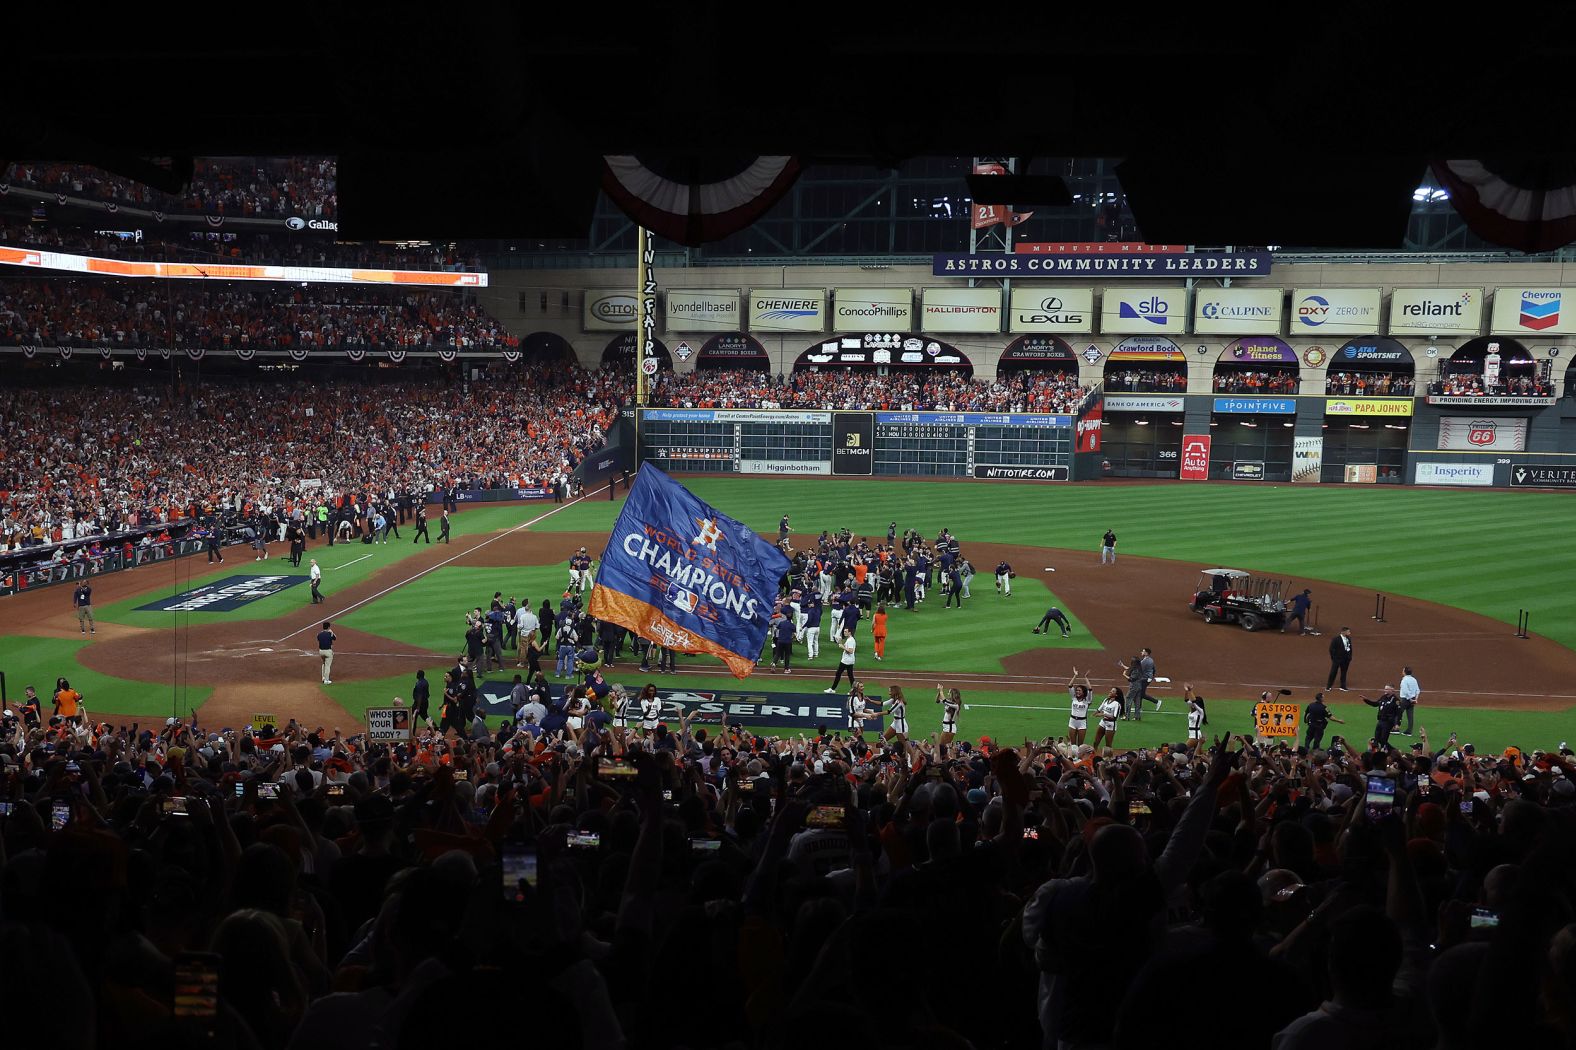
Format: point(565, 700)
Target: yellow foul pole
point(645, 313)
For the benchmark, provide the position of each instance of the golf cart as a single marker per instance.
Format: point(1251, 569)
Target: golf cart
point(1235, 596)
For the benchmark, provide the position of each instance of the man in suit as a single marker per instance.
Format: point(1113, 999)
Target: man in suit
point(1340, 657)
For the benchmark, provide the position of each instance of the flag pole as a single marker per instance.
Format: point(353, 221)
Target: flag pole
point(645, 311)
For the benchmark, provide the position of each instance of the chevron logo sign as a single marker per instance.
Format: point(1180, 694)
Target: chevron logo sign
point(1539, 310)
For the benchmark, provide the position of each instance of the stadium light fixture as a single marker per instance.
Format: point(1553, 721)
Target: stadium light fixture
point(1140, 422)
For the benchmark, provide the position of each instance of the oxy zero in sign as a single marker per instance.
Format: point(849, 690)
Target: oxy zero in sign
point(1195, 457)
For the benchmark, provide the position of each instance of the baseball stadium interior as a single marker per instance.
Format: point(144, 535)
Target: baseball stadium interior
point(503, 500)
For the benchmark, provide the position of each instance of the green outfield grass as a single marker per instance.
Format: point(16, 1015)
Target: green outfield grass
point(1489, 551)
point(176, 575)
point(430, 613)
point(39, 661)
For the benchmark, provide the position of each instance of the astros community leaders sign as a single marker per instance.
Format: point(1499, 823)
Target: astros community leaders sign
point(1212, 264)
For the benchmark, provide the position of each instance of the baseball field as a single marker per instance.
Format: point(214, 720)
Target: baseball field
point(1456, 569)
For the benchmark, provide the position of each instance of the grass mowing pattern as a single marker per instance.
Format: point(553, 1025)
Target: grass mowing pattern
point(195, 571)
point(39, 661)
point(1476, 549)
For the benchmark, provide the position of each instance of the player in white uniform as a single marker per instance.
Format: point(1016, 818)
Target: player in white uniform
point(897, 707)
point(1197, 718)
point(1079, 696)
point(1110, 711)
point(951, 702)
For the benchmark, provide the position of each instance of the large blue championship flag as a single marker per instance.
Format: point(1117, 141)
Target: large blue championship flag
point(686, 576)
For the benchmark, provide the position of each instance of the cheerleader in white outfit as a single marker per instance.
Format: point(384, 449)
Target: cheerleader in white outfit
point(897, 707)
point(1080, 698)
point(951, 702)
point(1110, 711)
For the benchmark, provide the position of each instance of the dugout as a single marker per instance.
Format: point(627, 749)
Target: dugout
point(1374, 366)
point(734, 352)
point(1257, 365)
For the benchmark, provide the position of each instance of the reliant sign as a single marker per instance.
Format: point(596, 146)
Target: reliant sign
point(1436, 311)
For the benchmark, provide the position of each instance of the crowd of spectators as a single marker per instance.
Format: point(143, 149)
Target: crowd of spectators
point(734, 890)
point(1256, 381)
point(271, 187)
point(1146, 380)
point(234, 247)
point(1471, 384)
point(947, 390)
point(79, 461)
point(1369, 384)
point(241, 315)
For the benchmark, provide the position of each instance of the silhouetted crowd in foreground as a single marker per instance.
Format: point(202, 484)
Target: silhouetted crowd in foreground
point(709, 887)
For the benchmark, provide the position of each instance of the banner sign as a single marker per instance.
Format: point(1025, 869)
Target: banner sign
point(1307, 459)
point(733, 348)
point(620, 351)
point(1362, 473)
point(606, 310)
point(696, 310)
point(983, 215)
point(496, 495)
point(1143, 403)
point(1532, 476)
point(1038, 310)
point(1139, 348)
point(960, 310)
point(1238, 311)
point(1490, 400)
point(1458, 433)
point(681, 573)
point(1436, 311)
point(1335, 311)
point(989, 473)
point(33, 258)
point(1097, 248)
point(787, 310)
point(1276, 720)
point(1373, 350)
point(1195, 457)
point(1477, 474)
point(1247, 470)
point(853, 441)
point(1534, 311)
point(1026, 264)
point(1090, 427)
point(1368, 406)
point(883, 348)
point(388, 725)
point(1259, 349)
point(1247, 406)
point(788, 467)
point(976, 419)
point(1031, 351)
point(872, 309)
point(1142, 310)
point(226, 595)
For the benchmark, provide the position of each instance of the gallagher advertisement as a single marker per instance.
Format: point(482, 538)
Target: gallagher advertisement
point(685, 575)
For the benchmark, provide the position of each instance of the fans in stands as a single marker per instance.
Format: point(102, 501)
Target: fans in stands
point(1369, 384)
point(228, 316)
point(1145, 381)
point(942, 389)
point(85, 460)
point(1256, 381)
point(272, 187)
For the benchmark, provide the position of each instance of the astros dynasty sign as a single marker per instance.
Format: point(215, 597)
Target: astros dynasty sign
point(684, 575)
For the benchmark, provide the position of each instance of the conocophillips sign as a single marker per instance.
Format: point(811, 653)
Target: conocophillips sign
point(872, 309)
point(608, 311)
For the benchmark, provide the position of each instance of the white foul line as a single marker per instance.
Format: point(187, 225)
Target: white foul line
point(353, 561)
point(394, 587)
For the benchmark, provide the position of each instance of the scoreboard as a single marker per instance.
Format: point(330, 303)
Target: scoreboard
point(1005, 446)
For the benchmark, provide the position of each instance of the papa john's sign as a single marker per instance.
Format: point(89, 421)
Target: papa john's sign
point(1195, 457)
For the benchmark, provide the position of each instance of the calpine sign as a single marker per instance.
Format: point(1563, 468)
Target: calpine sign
point(1212, 264)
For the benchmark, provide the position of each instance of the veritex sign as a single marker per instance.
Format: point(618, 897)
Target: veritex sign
point(1527, 475)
